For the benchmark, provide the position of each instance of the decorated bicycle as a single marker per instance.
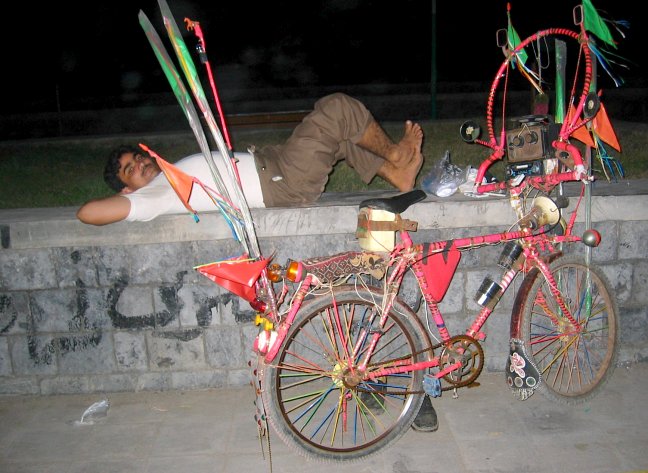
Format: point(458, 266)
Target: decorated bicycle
point(342, 362)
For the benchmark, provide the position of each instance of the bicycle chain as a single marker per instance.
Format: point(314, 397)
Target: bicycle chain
point(420, 352)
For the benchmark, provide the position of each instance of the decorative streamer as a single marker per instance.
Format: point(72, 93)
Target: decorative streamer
point(518, 54)
point(612, 167)
point(595, 24)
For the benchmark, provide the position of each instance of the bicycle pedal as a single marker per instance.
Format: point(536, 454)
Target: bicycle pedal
point(431, 385)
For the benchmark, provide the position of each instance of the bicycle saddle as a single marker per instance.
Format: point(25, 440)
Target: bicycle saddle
point(397, 204)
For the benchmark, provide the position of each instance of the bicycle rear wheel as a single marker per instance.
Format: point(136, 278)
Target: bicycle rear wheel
point(574, 363)
point(319, 402)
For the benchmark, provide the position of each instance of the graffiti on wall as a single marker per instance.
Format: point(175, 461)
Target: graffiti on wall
point(44, 352)
point(173, 304)
point(8, 313)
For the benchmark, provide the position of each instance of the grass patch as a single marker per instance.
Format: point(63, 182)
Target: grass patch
point(61, 173)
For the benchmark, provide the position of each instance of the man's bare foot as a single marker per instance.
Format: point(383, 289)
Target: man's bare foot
point(405, 159)
point(408, 149)
point(402, 179)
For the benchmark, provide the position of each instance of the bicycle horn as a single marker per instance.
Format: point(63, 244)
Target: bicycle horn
point(544, 212)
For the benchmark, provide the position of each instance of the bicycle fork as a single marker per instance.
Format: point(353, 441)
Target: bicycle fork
point(269, 340)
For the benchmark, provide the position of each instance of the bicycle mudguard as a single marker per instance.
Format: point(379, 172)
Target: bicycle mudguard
point(522, 374)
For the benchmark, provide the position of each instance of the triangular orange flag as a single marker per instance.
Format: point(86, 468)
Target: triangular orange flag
point(181, 182)
point(581, 133)
point(603, 128)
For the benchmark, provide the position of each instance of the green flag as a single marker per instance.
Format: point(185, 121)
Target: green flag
point(514, 41)
point(595, 24)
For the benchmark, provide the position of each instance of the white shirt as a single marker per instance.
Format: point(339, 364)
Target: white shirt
point(159, 198)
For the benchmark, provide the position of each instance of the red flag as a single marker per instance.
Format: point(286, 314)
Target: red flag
point(237, 275)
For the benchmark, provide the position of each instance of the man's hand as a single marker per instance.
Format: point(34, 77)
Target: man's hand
point(104, 211)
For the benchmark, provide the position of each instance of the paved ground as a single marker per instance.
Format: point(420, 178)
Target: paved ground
point(485, 430)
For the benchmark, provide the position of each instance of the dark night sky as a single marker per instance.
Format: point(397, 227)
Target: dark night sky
point(100, 50)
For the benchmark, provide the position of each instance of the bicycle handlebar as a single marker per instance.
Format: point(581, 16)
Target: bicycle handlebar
point(549, 180)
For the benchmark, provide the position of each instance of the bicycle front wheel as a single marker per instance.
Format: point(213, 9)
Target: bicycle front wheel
point(320, 401)
point(574, 362)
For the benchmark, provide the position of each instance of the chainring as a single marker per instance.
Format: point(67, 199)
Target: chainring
point(468, 351)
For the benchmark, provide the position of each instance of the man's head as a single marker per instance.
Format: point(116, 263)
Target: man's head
point(129, 168)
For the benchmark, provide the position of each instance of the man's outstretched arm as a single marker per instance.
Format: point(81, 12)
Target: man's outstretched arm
point(104, 211)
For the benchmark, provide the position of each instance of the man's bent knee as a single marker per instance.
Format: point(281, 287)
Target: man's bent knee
point(333, 99)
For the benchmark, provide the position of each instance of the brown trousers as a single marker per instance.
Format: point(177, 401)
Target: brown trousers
point(297, 171)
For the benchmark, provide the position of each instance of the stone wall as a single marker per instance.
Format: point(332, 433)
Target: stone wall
point(119, 308)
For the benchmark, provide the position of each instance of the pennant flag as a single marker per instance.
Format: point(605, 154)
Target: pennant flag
point(237, 275)
point(602, 127)
point(581, 133)
point(513, 38)
point(181, 182)
point(595, 24)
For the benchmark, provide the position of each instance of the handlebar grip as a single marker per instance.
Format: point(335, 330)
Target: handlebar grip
point(492, 187)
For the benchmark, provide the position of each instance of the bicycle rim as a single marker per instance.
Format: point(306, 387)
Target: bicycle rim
point(574, 364)
point(316, 398)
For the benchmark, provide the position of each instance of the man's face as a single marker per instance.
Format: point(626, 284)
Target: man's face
point(136, 171)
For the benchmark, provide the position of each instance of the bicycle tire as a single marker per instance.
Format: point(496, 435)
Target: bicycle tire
point(574, 365)
point(310, 403)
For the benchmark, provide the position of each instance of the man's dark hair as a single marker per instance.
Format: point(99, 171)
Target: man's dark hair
point(111, 171)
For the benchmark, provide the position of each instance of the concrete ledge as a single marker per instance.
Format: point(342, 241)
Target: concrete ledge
point(57, 227)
